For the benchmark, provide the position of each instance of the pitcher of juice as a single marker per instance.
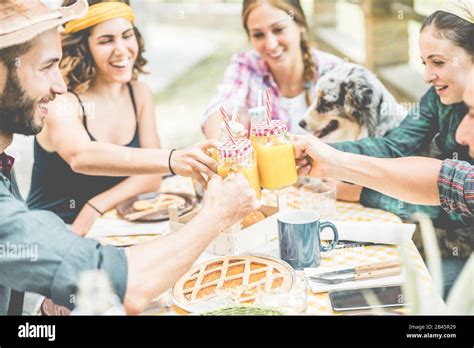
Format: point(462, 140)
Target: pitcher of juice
point(239, 158)
point(238, 132)
point(275, 155)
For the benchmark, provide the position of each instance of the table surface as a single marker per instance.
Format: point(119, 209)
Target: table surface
point(318, 304)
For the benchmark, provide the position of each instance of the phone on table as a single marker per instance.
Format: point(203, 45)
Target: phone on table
point(355, 299)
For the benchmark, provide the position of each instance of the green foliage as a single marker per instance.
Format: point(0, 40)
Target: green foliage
point(244, 310)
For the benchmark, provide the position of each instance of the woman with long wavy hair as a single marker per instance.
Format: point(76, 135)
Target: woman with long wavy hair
point(99, 136)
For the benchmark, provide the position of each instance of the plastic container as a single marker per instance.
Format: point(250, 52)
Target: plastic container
point(257, 116)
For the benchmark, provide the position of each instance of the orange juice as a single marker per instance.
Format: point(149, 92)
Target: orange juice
point(250, 172)
point(252, 139)
point(275, 155)
point(276, 165)
point(212, 152)
point(239, 158)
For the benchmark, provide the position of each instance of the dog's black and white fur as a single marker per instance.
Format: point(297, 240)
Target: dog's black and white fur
point(351, 104)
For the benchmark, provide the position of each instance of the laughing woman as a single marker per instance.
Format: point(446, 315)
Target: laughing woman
point(447, 51)
point(282, 60)
point(95, 130)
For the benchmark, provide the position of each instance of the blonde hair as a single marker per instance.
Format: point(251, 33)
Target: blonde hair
point(293, 8)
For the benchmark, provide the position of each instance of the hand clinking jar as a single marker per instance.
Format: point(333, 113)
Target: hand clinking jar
point(239, 157)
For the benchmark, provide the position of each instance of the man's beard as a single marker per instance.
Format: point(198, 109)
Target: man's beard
point(17, 109)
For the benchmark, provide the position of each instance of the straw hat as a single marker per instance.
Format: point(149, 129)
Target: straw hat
point(462, 8)
point(22, 21)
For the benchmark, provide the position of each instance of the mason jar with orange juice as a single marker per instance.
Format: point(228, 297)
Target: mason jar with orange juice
point(239, 157)
point(238, 132)
point(275, 154)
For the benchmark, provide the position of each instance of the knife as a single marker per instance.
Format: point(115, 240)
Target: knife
point(362, 268)
point(382, 273)
point(348, 244)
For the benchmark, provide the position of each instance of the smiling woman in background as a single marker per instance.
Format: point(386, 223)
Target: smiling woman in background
point(282, 60)
point(89, 146)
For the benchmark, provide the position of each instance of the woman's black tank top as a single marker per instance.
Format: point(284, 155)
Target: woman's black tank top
point(55, 187)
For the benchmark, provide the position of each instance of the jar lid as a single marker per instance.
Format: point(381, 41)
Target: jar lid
point(228, 149)
point(235, 127)
point(276, 127)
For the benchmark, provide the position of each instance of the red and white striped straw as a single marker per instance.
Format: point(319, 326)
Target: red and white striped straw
point(268, 106)
point(226, 122)
point(235, 114)
point(226, 117)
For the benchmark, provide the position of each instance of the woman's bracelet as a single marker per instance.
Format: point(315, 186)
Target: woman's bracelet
point(97, 210)
point(169, 162)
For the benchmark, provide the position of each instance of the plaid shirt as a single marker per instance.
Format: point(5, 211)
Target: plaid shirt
point(430, 122)
point(456, 187)
point(6, 164)
point(249, 73)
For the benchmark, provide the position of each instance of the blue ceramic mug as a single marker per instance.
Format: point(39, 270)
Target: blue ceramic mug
point(299, 238)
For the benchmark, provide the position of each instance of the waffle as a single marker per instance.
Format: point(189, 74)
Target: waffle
point(242, 276)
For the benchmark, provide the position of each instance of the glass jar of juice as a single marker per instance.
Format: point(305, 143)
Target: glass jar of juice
point(275, 155)
point(239, 158)
point(238, 132)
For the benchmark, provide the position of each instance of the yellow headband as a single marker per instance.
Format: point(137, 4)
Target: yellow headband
point(462, 8)
point(99, 13)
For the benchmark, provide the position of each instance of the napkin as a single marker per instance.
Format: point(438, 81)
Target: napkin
point(370, 283)
point(116, 227)
point(374, 232)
